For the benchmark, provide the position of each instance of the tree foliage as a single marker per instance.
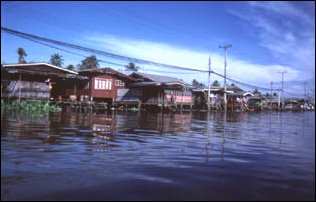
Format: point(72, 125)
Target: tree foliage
point(132, 67)
point(90, 62)
point(56, 60)
point(22, 54)
point(216, 83)
point(197, 84)
point(70, 67)
point(256, 91)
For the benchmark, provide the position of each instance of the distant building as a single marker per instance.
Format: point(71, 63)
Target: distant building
point(217, 95)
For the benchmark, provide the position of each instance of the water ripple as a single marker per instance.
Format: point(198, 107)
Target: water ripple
point(253, 156)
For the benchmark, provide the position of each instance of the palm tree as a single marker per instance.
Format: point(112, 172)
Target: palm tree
point(22, 54)
point(90, 62)
point(256, 91)
point(197, 84)
point(132, 67)
point(56, 60)
point(70, 67)
point(216, 83)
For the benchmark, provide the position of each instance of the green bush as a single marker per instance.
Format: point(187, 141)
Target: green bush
point(30, 106)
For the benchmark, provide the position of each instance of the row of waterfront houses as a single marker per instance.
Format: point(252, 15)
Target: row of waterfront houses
point(106, 85)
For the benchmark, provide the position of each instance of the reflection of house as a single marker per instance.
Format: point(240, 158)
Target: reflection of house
point(161, 91)
point(178, 122)
point(164, 122)
point(103, 127)
point(36, 81)
point(103, 85)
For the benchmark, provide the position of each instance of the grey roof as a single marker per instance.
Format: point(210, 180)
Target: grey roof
point(236, 90)
point(159, 79)
point(43, 69)
point(38, 67)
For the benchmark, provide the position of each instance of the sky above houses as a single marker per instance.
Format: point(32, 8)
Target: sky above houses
point(266, 37)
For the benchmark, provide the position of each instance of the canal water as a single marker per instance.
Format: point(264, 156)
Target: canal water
point(146, 156)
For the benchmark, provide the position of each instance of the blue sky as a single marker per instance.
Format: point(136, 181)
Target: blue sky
point(267, 37)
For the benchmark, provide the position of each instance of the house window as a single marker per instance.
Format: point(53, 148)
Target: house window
point(119, 83)
point(102, 84)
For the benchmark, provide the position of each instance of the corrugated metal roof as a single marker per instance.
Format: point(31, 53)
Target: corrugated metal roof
point(40, 69)
point(105, 70)
point(150, 79)
point(41, 66)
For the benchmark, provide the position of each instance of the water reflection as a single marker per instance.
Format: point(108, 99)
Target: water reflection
point(270, 154)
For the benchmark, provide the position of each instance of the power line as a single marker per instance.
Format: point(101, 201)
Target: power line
point(71, 52)
point(116, 10)
point(296, 94)
point(243, 83)
point(169, 72)
point(104, 53)
point(50, 20)
point(99, 60)
point(45, 41)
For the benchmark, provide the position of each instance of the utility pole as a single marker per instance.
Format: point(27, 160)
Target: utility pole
point(271, 83)
point(225, 64)
point(279, 98)
point(209, 84)
point(304, 83)
point(282, 72)
point(20, 86)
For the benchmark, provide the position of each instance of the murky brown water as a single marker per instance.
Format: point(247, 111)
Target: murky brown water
point(145, 156)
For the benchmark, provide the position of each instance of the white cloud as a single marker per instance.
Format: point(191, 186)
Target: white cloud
point(286, 29)
point(285, 9)
point(181, 56)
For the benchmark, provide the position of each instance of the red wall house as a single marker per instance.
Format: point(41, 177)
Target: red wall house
point(103, 84)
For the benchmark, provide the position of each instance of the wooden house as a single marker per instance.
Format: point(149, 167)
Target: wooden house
point(37, 81)
point(158, 91)
point(102, 85)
